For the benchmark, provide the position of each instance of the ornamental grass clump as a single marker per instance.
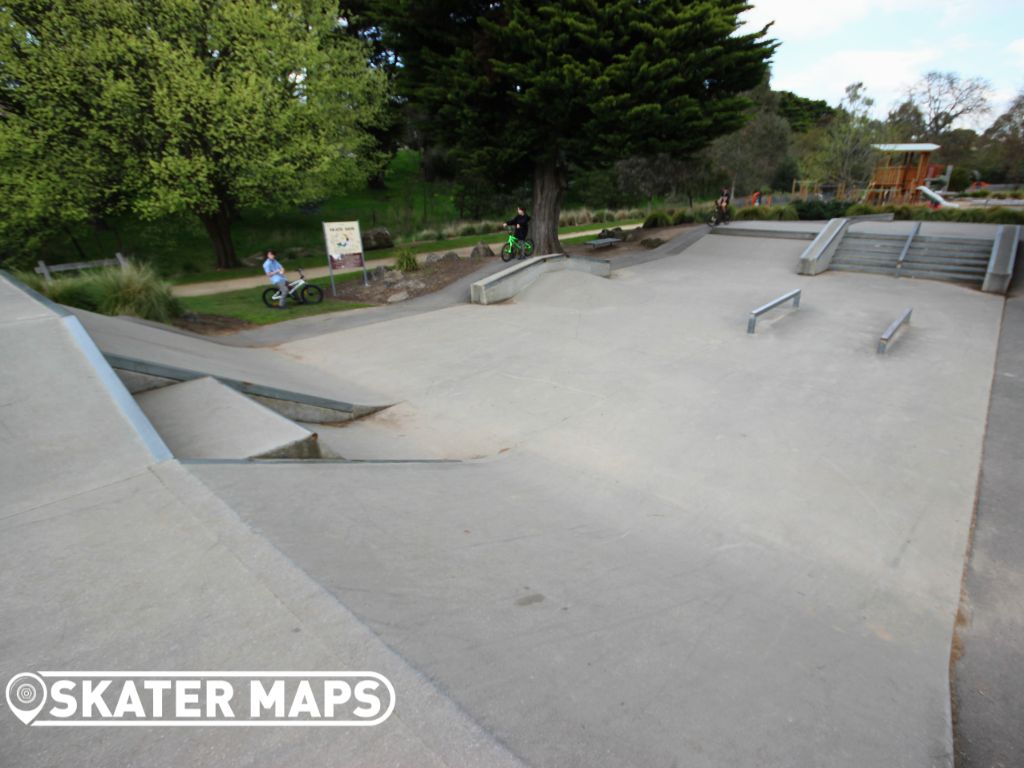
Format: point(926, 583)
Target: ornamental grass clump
point(134, 290)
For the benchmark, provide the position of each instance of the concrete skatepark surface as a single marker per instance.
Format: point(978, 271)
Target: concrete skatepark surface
point(656, 539)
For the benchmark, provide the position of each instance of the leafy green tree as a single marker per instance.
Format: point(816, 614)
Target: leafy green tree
point(523, 89)
point(1001, 155)
point(906, 123)
point(169, 106)
point(845, 153)
point(750, 156)
point(803, 114)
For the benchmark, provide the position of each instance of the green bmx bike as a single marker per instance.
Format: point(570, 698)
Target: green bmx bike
point(514, 245)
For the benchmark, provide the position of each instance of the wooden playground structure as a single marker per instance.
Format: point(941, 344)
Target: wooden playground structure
point(896, 179)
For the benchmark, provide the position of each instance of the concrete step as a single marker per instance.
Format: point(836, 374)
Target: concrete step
point(204, 419)
point(862, 268)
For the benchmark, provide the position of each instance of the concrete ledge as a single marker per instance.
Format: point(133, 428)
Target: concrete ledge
point(817, 257)
point(1003, 259)
point(778, 234)
point(503, 285)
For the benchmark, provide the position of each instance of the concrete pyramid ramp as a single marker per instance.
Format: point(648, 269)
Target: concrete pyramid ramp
point(147, 356)
point(204, 419)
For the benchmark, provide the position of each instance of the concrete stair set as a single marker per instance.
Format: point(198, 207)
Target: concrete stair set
point(954, 259)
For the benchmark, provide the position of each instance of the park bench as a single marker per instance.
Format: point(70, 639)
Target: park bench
point(603, 242)
point(47, 271)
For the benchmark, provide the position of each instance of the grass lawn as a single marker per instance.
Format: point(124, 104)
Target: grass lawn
point(248, 304)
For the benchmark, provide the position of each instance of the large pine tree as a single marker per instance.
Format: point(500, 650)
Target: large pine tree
point(522, 89)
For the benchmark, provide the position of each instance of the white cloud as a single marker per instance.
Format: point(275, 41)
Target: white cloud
point(797, 20)
point(1016, 50)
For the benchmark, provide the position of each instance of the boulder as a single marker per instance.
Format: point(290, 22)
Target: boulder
point(480, 251)
point(397, 297)
point(451, 256)
point(393, 276)
point(431, 258)
point(615, 232)
point(413, 285)
point(377, 238)
point(377, 272)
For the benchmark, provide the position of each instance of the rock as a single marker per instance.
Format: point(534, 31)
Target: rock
point(376, 238)
point(614, 232)
point(431, 258)
point(393, 276)
point(377, 272)
point(652, 242)
point(396, 297)
point(413, 285)
point(451, 256)
point(480, 251)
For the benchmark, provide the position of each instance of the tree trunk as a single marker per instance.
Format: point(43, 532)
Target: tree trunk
point(548, 189)
point(218, 227)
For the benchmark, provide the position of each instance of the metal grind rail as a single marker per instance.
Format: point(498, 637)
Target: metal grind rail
point(752, 320)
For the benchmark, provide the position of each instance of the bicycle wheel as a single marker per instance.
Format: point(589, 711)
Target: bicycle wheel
point(528, 248)
point(508, 252)
point(311, 294)
point(270, 297)
point(713, 219)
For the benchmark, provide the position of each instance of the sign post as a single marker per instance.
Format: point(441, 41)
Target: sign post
point(344, 248)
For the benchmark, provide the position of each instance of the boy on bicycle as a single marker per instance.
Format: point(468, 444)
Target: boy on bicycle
point(522, 224)
point(272, 267)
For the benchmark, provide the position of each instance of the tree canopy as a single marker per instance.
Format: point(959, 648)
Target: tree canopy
point(524, 89)
point(201, 106)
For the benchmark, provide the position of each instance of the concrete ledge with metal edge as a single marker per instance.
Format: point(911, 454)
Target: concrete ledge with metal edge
point(142, 375)
point(817, 257)
point(890, 333)
point(1001, 263)
point(504, 285)
point(752, 320)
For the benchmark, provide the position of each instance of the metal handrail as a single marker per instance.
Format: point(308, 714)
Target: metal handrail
point(906, 247)
point(754, 314)
point(894, 326)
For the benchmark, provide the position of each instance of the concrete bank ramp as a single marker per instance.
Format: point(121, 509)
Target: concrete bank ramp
point(204, 419)
point(571, 289)
point(113, 556)
point(147, 356)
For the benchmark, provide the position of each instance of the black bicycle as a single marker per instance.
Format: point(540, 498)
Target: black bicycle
point(719, 216)
point(299, 291)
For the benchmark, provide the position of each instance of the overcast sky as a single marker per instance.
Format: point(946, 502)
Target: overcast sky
point(889, 44)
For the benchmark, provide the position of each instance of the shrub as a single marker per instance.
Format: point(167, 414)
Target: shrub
point(134, 290)
point(787, 213)
point(406, 262)
point(820, 209)
point(861, 209)
point(603, 215)
point(684, 216)
point(467, 229)
point(657, 219)
point(428, 235)
point(750, 213)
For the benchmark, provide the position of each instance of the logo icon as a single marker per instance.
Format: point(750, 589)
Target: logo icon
point(26, 696)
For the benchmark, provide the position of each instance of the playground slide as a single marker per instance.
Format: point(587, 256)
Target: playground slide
point(936, 198)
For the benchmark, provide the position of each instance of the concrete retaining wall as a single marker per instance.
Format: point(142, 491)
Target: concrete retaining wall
point(504, 285)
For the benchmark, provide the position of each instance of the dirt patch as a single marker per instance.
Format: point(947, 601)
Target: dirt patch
point(391, 284)
point(211, 325)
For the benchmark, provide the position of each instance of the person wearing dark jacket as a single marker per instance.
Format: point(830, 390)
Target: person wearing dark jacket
point(522, 224)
